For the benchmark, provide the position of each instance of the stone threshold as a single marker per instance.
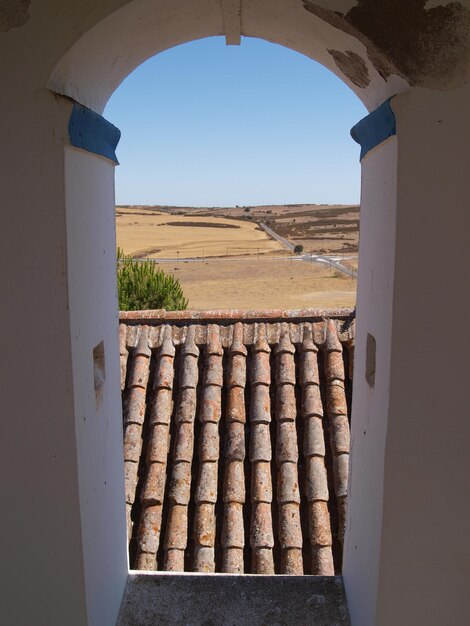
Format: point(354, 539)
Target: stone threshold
point(190, 599)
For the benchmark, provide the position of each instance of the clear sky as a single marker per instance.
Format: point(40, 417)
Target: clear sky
point(205, 124)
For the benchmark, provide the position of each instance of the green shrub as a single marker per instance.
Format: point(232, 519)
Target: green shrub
point(141, 286)
point(298, 249)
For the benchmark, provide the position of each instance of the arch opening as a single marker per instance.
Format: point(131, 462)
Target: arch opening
point(212, 139)
point(92, 68)
point(184, 521)
point(101, 58)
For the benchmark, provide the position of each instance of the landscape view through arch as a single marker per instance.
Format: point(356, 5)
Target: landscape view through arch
point(238, 176)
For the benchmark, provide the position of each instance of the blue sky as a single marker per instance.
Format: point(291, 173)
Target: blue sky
point(205, 124)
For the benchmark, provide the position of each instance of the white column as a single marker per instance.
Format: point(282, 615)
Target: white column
point(92, 290)
point(425, 561)
point(407, 556)
point(42, 545)
point(362, 545)
point(59, 519)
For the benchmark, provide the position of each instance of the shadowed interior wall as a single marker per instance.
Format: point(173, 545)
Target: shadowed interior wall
point(41, 526)
point(425, 558)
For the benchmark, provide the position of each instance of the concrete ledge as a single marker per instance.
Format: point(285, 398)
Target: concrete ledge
point(226, 600)
point(261, 315)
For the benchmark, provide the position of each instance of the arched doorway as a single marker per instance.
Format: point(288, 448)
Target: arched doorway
point(90, 71)
point(82, 52)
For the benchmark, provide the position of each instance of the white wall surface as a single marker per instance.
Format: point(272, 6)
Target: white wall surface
point(425, 562)
point(41, 547)
point(101, 58)
point(370, 404)
point(91, 246)
point(63, 549)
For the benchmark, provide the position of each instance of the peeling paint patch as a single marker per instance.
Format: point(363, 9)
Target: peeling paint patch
point(428, 47)
point(13, 13)
point(352, 66)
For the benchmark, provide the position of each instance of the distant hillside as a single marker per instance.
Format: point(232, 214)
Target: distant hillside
point(320, 228)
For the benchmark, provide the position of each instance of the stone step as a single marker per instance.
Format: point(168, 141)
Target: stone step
point(165, 599)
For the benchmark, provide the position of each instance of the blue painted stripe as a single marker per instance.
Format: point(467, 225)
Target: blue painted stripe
point(90, 131)
point(375, 128)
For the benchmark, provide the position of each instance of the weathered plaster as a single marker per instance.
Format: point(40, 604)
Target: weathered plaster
point(13, 13)
point(338, 6)
point(429, 47)
point(231, 10)
point(436, 3)
point(352, 66)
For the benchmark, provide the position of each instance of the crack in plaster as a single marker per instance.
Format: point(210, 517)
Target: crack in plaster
point(13, 14)
point(352, 66)
point(428, 47)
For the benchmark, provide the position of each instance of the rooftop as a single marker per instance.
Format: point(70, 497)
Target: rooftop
point(236, 439)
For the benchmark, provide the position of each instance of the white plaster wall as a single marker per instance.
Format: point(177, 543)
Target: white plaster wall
point(91, 246)
point(97, 62)
point(51, 532)
point(361, 562)
point(425, 562)
point(42, 563)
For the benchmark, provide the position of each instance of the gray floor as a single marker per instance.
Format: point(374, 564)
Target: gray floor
point(225, 600)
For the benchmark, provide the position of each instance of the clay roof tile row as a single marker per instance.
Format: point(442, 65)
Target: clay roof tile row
point(236, 440)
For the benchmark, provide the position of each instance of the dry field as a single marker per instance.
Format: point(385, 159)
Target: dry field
point(256, 279)
point(320, 228)
point(253, 284)
point(144, 233)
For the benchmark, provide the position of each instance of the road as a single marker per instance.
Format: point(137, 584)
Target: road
point(284, 242)
point(331, 261)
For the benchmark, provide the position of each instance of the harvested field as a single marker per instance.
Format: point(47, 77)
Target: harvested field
point(321, 229)
point(250, 284)
point(255, 279)
point(145, 233)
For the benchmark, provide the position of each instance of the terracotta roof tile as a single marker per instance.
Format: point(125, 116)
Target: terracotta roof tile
point(233, 530)
point(234, 482)
point(186, 410)
point(288, 484)
point(161, 406)
point(153, 490)
point(260, 409)
point(285, 400)
point(123, 353)
point(337, 412)
point(261, 489)
point(321, 539)
point(216, 407)
point(235, 442)
point(261, 526)
point(287, 456)
point(179, 491)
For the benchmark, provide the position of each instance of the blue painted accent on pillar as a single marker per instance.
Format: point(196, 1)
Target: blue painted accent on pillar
point(90, 131)
point(375, 128)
